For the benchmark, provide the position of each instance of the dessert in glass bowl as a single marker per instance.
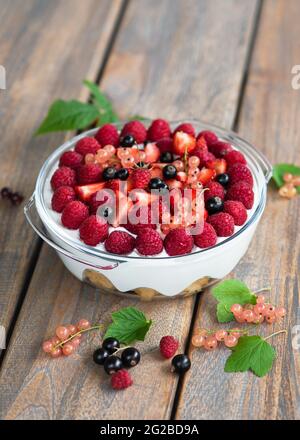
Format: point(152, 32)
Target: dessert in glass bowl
point(153, 208)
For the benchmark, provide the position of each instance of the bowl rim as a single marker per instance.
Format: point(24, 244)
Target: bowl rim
point(256, 157)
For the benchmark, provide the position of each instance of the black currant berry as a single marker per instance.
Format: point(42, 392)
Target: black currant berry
point(109, 173)
point(130, 357)
point(180, 363)
point(16, 198)
point(100, 355)
point(169, 171)
point(6, 193)
point(111, 345)
point(105, 212)
point(141, 164)
point(122, 174)
point(127, 141)
point(214, 205)
point(155, 183)
point(223, 179)
point(166, 157)
point(112, 364)
point(163, 187)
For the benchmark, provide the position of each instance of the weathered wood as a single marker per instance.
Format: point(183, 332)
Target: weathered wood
point(168, 64)
point(47, 48)
point(269, 118)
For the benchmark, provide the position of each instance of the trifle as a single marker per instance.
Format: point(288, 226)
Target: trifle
point(151, 208)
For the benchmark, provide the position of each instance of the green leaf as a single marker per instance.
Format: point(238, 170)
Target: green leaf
point(251, 353)
point(280, 169)
point(129, 324)
point(138, 118)
point(223, 313)
point(105, 108)
point(68, 115)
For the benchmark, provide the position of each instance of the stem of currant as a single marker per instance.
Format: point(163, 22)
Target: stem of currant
point(276, 333)
point(121, 348)
point(94, 327)
point(263, 289)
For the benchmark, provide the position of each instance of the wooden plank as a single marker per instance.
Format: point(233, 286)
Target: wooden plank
point(269, 119)
point(46, 52)
point(180, 44)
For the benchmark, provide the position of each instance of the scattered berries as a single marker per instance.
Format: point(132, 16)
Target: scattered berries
point(93, 231)
point(89, 173)
point(74, 214)
point(168, 346)
point(111, 345)
point(180, 364)
point(119, 242)
point(237, 210)
point(186, 128)
point(87, 145)
point(130, 357)
point(141, 178)
point(136, 129)
point(149, 242)
point(70, 159)
point(61, 197)
point(178, 242)
point(207, 238)
point(100, 355)
point(239, 172)
point(241, 192)
point(14, 197)
point(63, 176)
point(121, 380)
point(107, 135)
point(258, 313)
point(159, 129)
point(222, 223)
point(112, 364)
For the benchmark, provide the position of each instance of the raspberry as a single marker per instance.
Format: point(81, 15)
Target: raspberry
point(70, 159)
point(149, 242)
point(241, 192)
point(219, 149)
point(207, 238)
point(87, 145)
point(108, 135)
point(140, 178)
point(89, 173)
point(237, 210)
point(113, 184)
point(159, 129)
point(239, 172)
point(137, 228)
point(209, 136)
point(215, 189)
point(136, 129)
point(121, 380)
point(223, 224)
point(179, 241)
point(235, 156)
point(168, 346)
point(74, 214)
point(62, 196)
point(97, 200)
point(204, 156)
point(63, 176)
point(93, 231)
point(120, 242)
point(187, 128)
point(165, 144)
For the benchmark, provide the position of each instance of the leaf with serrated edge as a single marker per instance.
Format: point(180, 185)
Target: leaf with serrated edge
point(107, 114)
point(223, 314)
point(280, 169)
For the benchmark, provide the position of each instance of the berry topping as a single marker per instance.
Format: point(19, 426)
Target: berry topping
point(169, 172)
point(166, 157)
point(183, 142)
point(86, 191)
point(122, 174)
point(107, 135)
point(178, 242)
point(165, 144)
point(241, 192)
point(141, 178)
point(214, 205)
point(215, 189)
point(89, 173)
point(70, 159)
point(168, 346)
point(235, 157)
point(63, 176)
point(239, 172)
point(93, 231)
point(223, 179)
point(121, 380)
point(135, 129)
point(120, 242)
point(180, 364)
point(130, 357)
point(207, 238)
point(111, 345)
point(109, 173)
point(186, 128)
point(112, 364)
point(237, 210)
point(87, 145)
point(149, 242)
point(127, 141)
point(159, 129)
point(220, 149)
point(222, 223)
point(100, 355)
point(152, 153)
point(209, 136)
point(61, 197)
point(74, 214)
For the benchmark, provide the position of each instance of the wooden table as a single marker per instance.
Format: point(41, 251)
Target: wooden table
point(225, 61)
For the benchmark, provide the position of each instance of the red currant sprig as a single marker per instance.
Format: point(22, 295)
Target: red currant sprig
point(258, 313)
point(209, 339)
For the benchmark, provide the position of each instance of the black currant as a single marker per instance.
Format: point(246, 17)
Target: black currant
point(130, 357)
point(163, 187)
point(223, 179)
point(155, 183)
point(100, 355)
point(122, 174)
point(166, 157)
point(214, 204)
point(127, 141)
point(180, 363)
point(105, 212)
point(111, 345)
point(112, 364)
point(6, 193)
point(169, 171)
point(16, 198)
point(109, 173)
point(141, 164)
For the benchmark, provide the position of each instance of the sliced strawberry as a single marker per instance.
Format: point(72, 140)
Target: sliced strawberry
point(84, 192)
point(173, 183)
point(220, 165)
point(206, 175)
point(183, 142)
point(152, 152)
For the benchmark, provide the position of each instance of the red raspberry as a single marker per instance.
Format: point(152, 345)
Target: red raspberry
point(62, 196)
point(223, 224)
point(239, 172)
point(215, 189)
point(168, 346)
point(89, 173)
point(136, 129)
point(70, 159)
point(241, 192)
point(187, 128)
point(149, 242)
point(179, 241)
point(97, 200)
point(165, 145)
point(204, 156)
point(207, 238)
point(63, 176)
point(93, 231)
point(137, 228)
point(237, 210)
point(235, 157)
point(87, 145)
point(108, 135)
point(159, 129)
point(121, 380)
point(140, 178)
point(120, 242)
point(219, 149)
point(74, 214)
point(209, 136)
point(113, 184)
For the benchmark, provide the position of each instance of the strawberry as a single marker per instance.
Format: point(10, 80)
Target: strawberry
point(206, 175)
point(85, 192)
point(183, 142)
point(174, 184)
point(152, 152)
point(220, 165)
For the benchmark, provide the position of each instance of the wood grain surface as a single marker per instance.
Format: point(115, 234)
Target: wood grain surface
point(181, 61)
point(269, 118)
